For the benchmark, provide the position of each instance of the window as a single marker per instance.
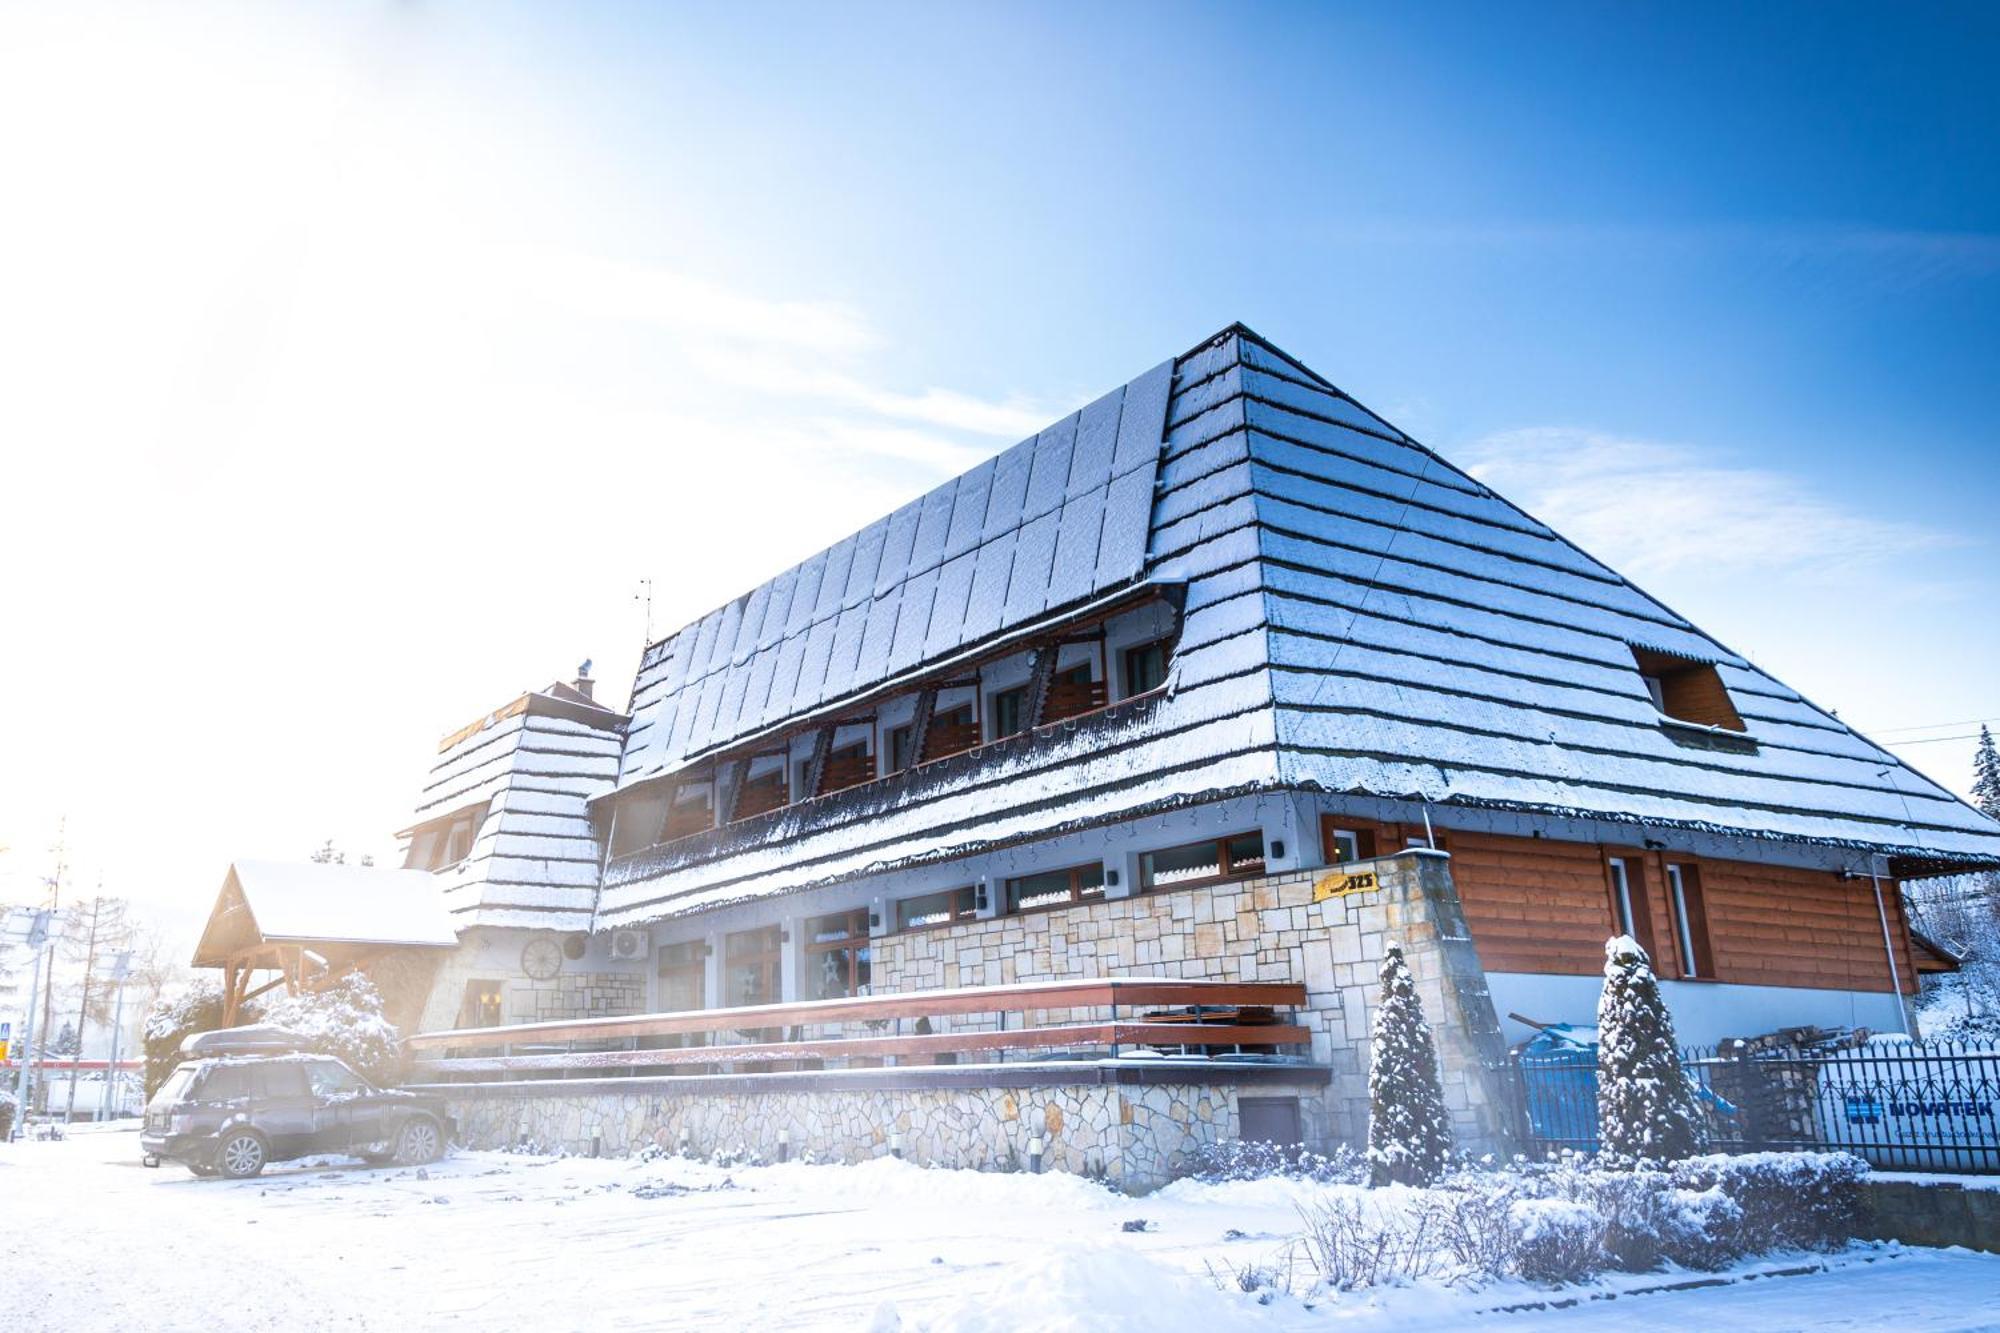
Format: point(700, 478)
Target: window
point(330, 1078)
point(1236, 857)
point(1690, 920)
point(683, 976)
point(692, 810)
point(953, 731)
point(281, 1078)
point(751, 960)
point(637, 821)
point(848, 766)
point(1056, 888)
point(837, 955)
point(1628, 901)
point(1344, 843)
point(1072, 692)
point(481, 1006)
point(1145, 667)
point(443, 843)
point(226, 1083)
point(1686, 690)
point(899, 753)
point(1010, 712)
point(936, 909)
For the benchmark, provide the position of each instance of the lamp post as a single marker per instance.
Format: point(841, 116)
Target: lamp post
point(121, 967)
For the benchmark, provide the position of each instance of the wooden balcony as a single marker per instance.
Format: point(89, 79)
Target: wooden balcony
point(1211, 1018)
point(762, 796)
point(1068, 698)
point(846, 770)
point(949, 738)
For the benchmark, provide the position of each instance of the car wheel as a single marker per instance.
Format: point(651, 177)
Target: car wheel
point(419, 1141)
point(242, 1154)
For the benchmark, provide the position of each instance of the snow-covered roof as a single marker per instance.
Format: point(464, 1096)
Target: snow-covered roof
point(1360, 618)
point(1049, 523)
point(311, 902)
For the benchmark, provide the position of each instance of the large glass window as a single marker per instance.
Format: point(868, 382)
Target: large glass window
point(1628, 901)
point(1239, 856)
point(936, 909)
point(837, 955)
point(751, 962)
point(899, 752)
point(683, 976)
point(1010, 712)
point(1056, 888)
point(637, 821)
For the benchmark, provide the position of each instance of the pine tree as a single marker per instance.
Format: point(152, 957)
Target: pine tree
point(1646, 1107)
point(1986, 775)
point(1409, 1133)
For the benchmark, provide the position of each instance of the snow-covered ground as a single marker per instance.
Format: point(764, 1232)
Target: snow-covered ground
point(91, 1240)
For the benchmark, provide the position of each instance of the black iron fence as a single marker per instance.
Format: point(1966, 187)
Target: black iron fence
point(1903, 1106)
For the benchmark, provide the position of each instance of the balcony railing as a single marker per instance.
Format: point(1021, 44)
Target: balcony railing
point(1206, 1017)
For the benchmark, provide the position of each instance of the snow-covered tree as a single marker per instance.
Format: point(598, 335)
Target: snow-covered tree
point(344, 1019)
point(1409, 1132)
point(66, 1043)
point(1646, 1107)
point(1986, 775)
point(171, 1020)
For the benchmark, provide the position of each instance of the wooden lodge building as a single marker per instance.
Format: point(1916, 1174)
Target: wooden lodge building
point(1119, 701)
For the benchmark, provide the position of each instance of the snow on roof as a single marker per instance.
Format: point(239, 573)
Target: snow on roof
point(1361, 618)
point(1049, 523)
point(313, 901)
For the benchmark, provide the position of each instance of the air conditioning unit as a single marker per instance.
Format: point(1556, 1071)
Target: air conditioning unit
point(628, 945)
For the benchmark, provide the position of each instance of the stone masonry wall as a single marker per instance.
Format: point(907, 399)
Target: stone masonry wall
point(1261, 930)
point(1132, 1136)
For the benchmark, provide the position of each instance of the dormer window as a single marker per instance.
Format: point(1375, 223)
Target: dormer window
point(443, 843)
point(1686, 690)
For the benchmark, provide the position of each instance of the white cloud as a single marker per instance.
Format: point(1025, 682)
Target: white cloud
point(1649, 508)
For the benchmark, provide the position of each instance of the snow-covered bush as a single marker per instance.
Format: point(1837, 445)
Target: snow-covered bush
point(1556, 1240)
point(172, 1021)
point(1785, 1201)
point(345, 1020)
point(1409, 1133)
point(7, 1107)
point(1647, 1110)
point(1251, 1160)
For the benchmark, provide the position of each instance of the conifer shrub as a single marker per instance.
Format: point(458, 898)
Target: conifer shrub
point(1409, 1132)
point(170, 1022)
point(1646, 1107)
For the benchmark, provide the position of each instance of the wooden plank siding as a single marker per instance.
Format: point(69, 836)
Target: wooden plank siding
point(1540, 905)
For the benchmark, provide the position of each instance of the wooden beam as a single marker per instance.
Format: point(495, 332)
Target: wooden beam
point(1059, 1037)
point(735, 770)
point(1126, 992)
point(920, 725)
point(816, 766)
point(1039, 677)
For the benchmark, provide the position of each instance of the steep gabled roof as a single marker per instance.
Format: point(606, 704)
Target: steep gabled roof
point(1360, 617)
point(314, 903)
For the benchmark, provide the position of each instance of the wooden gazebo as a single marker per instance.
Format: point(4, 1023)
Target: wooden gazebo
point(311, 922)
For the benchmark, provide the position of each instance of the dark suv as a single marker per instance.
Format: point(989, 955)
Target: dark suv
point(231, 1115)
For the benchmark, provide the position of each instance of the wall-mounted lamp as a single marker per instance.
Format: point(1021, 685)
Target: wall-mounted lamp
point(1111, 878)
point(1277, 849)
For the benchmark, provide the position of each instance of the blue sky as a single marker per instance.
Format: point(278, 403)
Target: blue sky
point(376, 353)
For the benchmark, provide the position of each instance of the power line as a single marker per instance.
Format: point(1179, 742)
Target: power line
point(1933, 740)
point(1933, 726)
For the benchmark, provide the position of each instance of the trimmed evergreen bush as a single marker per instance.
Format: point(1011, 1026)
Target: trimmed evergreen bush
point(1409, 1132)
point(1646, 1107)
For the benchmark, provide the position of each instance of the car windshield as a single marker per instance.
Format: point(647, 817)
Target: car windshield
point(174, 1088)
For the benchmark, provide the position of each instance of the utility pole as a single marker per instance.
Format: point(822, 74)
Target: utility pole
point(48, 974)
point(38, 938)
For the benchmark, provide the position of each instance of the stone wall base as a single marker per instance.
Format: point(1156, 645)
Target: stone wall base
point(1091, 1119)
point(1934, 1213)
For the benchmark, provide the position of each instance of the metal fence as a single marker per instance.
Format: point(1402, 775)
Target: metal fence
point(1911, 1107)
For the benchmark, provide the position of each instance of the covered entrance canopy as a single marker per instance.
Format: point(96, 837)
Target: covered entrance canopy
point(312, 922)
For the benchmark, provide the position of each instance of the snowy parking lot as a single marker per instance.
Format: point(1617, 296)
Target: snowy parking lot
point(92, 1240)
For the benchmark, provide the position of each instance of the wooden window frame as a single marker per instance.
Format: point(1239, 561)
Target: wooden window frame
point(1226, 871)
point(771, 958)
point(1079, 892)
point(1689, 909)
point(1364, 835)
point(1637, 919)
point(967, 894)
point(1126, 656)
point(855, 944)
point(1018, 694)
point(1685, 691)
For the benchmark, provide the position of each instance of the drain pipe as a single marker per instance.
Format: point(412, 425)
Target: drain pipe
point(1889, 945)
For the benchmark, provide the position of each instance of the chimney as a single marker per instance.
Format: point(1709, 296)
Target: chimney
point(584, 684)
